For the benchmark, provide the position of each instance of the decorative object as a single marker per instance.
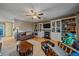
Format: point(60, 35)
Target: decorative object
point(69, 39)
point(17, 28)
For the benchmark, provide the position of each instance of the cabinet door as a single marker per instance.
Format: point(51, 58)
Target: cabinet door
point(53, 26)
point(57, 26)
point(41, 34)
point(40, 26)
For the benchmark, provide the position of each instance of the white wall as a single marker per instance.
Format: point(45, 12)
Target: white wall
point(24, 26)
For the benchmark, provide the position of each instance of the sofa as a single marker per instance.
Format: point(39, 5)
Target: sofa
point(25, 35)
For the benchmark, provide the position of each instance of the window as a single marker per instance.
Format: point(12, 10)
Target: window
point(1, 29)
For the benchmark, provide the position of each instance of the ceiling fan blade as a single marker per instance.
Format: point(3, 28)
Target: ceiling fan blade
point(32, 17)
point(39, 17)
point(41, 14)
point(32, 11)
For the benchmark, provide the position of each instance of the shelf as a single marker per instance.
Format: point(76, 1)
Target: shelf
point(59, 51)
point(53, 29)
point(56, 26)
point(68, 25)
point(53, 24)
point(58, 23)
point(71, 48)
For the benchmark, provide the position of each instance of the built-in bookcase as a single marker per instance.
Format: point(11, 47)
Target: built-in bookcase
point(39, 29)
point(53, 26)
point(68, 25)
point(60, 27)
point(56, 25)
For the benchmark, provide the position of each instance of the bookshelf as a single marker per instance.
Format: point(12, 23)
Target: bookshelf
point(68, 25)
point(56, 26)
point(53, 26)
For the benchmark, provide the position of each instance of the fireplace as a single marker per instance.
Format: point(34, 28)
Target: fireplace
point(47, 34)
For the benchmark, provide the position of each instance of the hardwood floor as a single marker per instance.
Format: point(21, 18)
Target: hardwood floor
point(37, 51)
point(39, 39)
point(9, 46)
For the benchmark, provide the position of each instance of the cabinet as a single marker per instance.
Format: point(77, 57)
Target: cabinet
point(56, 29)
point(56, 25)
point(77, 25)
point(53, 26)
point(40, 26)
point(39, 29)
point(63, 26)
point(68, 25)
point(60, 27)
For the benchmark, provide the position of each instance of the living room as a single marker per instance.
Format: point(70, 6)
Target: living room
point(39, 29)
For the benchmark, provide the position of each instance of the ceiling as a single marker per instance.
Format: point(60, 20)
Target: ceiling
point(18, 11)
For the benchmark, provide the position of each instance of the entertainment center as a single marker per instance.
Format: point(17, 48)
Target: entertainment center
point(58, 26)
point(64, 30)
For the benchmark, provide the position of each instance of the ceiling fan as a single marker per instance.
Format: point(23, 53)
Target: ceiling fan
point(35, 14)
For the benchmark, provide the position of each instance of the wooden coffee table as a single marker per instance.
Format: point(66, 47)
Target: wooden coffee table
point(25, 48)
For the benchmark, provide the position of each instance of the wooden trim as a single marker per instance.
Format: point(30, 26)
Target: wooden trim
point(69, 17)
point(70, 47)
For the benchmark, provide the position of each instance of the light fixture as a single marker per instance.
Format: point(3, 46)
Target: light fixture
point(34, 16)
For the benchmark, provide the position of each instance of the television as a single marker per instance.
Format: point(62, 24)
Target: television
point(47, 25)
